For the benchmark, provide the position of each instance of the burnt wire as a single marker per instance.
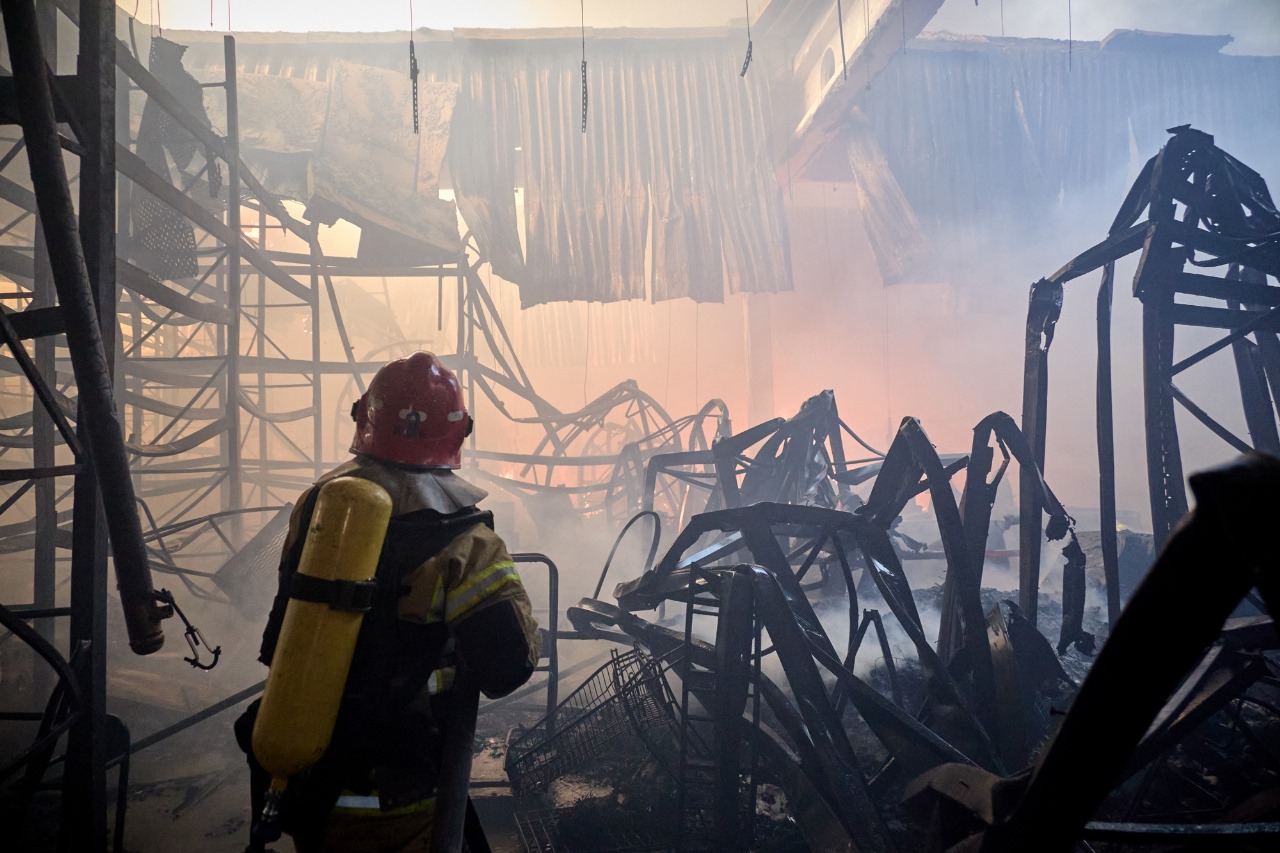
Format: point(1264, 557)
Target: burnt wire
point(746, 63)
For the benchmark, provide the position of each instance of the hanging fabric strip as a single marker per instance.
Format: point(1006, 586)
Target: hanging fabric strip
point(746, 63)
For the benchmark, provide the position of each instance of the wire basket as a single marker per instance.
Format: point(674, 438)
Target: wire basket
point(621, 700)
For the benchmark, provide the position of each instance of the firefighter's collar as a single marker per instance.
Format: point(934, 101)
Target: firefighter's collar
point(437, 489)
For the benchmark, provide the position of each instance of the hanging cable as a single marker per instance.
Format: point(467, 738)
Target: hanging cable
point(1002, 17)
point(582, 10)
point(844, 59)
point(1069, 35)
point(413, 69)
point(746, 63)
point(866, 37)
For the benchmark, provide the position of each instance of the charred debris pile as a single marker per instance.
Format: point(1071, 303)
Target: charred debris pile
point(747, 705)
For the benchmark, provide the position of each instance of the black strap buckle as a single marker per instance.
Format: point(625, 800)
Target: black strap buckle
point(347, 596)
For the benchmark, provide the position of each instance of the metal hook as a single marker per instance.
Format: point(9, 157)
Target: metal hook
point(192, 634)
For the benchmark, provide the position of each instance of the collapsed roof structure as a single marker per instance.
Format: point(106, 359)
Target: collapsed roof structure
point(211, 378)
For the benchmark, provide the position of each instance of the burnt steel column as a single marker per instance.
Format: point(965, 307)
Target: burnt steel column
point(84, 815)
point(1164, 454)
point(44, 455)
point(1254, 394)
point(1045, 304)
point(42, 429)
point(1104, 419)
point(235, 482)
point(317, 376)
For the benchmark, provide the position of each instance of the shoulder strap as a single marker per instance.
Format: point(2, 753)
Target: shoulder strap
point(288, 567)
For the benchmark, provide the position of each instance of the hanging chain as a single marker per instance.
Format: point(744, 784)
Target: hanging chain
point(582, 10)
point(413, 69)
point(746, 63)
point(413, 76)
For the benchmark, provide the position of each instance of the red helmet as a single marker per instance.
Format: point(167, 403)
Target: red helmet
point(413, 414)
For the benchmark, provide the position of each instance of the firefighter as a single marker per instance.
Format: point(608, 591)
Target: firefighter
point(448, 609)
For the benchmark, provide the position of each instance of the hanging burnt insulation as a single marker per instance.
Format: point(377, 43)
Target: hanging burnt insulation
point(163, 241)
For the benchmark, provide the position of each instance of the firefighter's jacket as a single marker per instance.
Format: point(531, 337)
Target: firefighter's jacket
point(448, 596)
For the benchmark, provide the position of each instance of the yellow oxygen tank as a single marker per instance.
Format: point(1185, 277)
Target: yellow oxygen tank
point(313, 654)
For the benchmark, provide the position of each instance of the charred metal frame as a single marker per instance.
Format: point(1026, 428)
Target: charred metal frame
point(747, 566)
point(1203, 209)
point(1101, 741)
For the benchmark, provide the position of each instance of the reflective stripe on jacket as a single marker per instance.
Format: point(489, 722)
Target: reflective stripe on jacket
point(471, 573)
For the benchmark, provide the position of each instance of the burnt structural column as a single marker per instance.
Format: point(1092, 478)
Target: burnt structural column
point(84, 803)
point(235, 283)
point(1164, 455)
point(1045, 305)
point(42, 428)
point(1105, 428)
